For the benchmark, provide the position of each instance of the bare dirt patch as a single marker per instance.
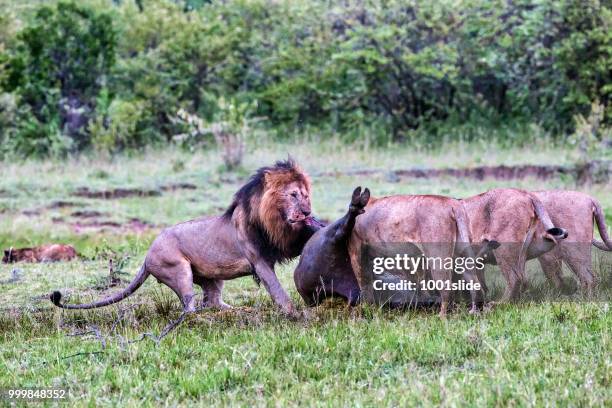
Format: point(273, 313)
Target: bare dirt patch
point(63, 204)
point(132, 225)
point(115, 193)
point(502, 172)
point(121, 192)
point(496, 172)
point(87, 214)
point(178, 186)
point(92, 222)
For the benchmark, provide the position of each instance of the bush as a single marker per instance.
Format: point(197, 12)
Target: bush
point(118, 127)
point(408, 69)
point(57, 68)
point(230, 130)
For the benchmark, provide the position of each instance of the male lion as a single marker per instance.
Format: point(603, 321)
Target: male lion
point(43, 253)
point(268, 221)
point(575, 212)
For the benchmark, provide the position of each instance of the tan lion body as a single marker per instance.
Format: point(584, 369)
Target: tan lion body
point(435, 221)
point(575, 212)
point(43, 253)
point(516, 220)
point(267, 222)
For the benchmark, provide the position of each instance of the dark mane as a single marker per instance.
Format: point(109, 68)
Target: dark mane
point(255, 186)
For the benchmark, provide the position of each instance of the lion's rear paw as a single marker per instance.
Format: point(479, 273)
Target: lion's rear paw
point(218, 305)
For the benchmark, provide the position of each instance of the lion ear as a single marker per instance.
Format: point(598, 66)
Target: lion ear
point(268, 177)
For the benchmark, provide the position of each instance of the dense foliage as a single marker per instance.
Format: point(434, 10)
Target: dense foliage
point(114, 74)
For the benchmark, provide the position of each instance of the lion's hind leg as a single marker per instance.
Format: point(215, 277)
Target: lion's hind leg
point(178, 277)
point(578, 257)
point(552, 267)
point(212, 289)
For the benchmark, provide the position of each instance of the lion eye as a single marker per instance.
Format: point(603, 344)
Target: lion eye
point(294, 194)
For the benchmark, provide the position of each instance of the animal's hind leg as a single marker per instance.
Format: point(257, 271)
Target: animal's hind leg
point(441, 275)
point(445, 295)
point(578, 258)
point(513, 269)
point(212, 292)
point(551, 266)
point(358, 201)
point(178, 277)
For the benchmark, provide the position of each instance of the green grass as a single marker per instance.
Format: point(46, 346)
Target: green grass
point(527, 354)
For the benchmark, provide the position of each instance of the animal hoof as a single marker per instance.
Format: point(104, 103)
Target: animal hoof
point(356, 196)
point(365, 197)
point(359, 200)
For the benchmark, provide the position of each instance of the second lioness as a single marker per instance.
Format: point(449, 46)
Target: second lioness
point(575, 212)
point(518, 221)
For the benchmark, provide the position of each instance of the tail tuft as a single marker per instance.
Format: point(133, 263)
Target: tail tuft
point(557, 232)
point(56, 297)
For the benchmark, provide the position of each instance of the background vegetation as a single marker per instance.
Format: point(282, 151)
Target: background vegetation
point(124, 74)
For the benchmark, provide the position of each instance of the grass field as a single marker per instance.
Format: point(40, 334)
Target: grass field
point(520, 355)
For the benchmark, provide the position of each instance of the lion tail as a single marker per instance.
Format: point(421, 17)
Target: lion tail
point(463, 231)
point(600, 219)
point(556, 232)
point(142, 275)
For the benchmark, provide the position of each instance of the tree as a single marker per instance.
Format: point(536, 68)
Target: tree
point(59, 65)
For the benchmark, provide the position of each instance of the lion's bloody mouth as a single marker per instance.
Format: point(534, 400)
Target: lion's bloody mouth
point(313, 222)
point(308, 221)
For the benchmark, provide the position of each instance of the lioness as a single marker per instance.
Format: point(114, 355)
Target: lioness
point(43, 253)
point(514, 218)
point(437, 224)
point(267, 222)
point(575, 212)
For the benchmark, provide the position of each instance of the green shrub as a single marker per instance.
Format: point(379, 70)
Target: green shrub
point(58, 66)
point(404, 70)
point(118, 127)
